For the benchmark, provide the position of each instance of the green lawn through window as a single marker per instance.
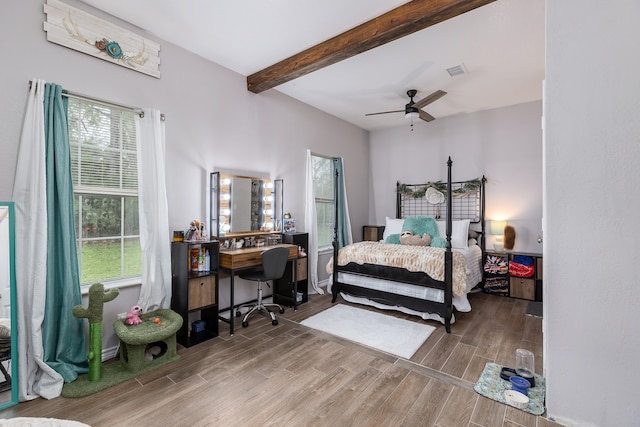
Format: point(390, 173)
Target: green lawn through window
point(101, 260)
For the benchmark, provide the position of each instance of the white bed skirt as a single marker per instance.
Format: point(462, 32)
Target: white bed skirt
point(365, 301)
point(473, 256)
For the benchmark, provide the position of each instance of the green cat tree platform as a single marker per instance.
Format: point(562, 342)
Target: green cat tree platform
point(136, 339)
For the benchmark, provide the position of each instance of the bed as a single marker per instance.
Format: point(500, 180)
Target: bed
point(426, 281)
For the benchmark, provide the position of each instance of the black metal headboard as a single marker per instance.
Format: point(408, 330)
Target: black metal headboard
point(467, 201)
point(430, 199)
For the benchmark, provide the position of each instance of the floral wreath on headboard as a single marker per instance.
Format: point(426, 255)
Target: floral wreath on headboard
point(467, 188)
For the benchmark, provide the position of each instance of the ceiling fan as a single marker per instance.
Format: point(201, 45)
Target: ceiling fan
point(413, 109)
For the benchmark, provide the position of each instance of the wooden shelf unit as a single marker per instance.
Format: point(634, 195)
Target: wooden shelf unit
point(505, 284)
point(285, 290)
point(194, 291)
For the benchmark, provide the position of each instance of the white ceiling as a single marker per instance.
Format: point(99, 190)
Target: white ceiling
point(501, 45)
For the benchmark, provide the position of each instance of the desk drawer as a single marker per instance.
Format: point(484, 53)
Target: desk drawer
point(202, 292)
point(249, 257)
point(302, 268)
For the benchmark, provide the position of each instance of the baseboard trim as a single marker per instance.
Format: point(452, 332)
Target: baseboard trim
point(110, 353)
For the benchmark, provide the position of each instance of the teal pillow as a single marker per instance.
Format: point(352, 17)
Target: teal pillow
point(393, 239)
point(438, 242)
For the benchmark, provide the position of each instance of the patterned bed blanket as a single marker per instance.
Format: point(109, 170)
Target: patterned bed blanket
point(413, 258)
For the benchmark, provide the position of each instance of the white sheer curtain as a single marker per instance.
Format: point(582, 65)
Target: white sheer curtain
point(36, 378)
point(155, 291)
point(311, 225)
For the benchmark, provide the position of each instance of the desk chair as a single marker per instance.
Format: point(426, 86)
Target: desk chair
point(274, 262)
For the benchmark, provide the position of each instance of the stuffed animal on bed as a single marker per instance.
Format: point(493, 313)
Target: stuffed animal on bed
point(420, 226)
point(408, 238)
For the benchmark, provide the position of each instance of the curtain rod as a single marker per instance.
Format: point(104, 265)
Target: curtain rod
point(82, 97)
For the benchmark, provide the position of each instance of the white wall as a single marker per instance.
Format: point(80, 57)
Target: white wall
point(592, 152)
point(504, 144)
point(212, 122)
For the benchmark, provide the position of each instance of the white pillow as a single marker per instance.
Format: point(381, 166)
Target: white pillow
point(392, 226)
point(459, 232)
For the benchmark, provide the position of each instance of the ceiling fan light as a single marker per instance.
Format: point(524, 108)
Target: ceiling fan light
point(413, 115)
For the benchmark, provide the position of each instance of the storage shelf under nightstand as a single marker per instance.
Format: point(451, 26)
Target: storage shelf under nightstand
point(505, 284)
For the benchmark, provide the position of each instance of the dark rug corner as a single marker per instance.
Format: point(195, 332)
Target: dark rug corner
point(534, 308)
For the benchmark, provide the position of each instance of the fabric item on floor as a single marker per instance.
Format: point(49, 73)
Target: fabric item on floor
point(386, 333)
point(534, 308)
point(492, 386)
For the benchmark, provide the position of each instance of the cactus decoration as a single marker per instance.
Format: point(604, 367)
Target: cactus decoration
point(97, 297)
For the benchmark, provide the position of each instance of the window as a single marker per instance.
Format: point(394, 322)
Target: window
point(105, 180)
point(325, 198)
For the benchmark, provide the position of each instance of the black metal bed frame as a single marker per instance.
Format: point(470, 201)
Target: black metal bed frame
point(444, 309)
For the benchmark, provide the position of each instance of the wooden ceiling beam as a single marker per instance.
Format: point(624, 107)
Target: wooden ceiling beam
point(413, 16)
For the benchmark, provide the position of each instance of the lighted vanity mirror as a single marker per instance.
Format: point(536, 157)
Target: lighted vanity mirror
point(8, 321)
point(242, 204)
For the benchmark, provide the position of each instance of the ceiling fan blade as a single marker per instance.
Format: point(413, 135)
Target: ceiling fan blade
point(385, 112)
point(429, 99)
point(426, 116)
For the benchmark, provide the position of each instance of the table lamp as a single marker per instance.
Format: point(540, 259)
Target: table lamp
point(497, 229)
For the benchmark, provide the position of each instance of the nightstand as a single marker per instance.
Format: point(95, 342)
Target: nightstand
point(372, 232)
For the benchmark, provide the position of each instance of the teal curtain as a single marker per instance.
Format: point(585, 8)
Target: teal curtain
point(344, 225)
point(63, 337)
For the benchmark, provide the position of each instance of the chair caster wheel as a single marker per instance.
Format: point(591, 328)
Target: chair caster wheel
point(238, 313)
point(274, 322)
point(281, 310)
point(245, 324)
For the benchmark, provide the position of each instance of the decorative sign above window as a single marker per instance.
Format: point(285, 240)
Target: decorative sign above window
point(81, 31)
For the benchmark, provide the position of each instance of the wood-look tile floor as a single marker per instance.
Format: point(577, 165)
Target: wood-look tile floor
point(292, 375)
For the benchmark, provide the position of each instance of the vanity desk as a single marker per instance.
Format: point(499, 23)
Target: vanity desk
point(234, 261)
point(246, 217)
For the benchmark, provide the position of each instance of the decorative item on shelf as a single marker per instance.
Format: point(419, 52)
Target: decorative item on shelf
point(178, 236)
point(289, 225)
point(509, 237)
point(274, 239)
point(196, 232)
point(497, 229)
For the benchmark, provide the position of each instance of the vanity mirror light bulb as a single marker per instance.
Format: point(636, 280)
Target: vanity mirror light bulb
point(268, 185)
point(268, 198)
point(225, 197)
point(225, 212)
point(268, 211)
point(225, 181)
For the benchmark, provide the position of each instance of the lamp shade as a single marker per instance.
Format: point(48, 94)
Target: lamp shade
point(413, 115)
point(497, 227)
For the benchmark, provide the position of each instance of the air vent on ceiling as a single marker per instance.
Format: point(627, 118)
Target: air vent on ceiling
point(457, 70)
